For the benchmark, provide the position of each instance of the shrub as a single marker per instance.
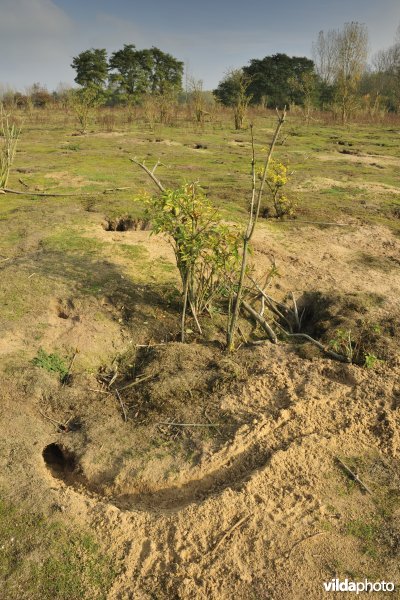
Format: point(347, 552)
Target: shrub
point(206, 249)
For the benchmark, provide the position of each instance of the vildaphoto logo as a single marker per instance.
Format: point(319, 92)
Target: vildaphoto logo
point(357, 587)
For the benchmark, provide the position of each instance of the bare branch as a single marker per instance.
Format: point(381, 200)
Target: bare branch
point(150, 173)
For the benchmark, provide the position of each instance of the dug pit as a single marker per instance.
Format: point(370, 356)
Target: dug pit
point(60, 462)
point(126, 223)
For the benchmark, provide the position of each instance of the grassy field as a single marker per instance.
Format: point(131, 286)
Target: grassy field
point(78, 297)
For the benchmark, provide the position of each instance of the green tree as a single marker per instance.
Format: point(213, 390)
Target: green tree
point(91, 67)
point(166, 72)
point(269, 79)
point(131, 70)
point(139, 72)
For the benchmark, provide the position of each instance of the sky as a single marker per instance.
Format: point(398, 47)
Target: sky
point(39, 38)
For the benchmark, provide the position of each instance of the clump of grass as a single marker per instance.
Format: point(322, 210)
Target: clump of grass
point(367, 533)
point(53, 363)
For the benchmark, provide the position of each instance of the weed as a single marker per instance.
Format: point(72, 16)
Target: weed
point(53, 363)
point(343, 343)
point(370, 361)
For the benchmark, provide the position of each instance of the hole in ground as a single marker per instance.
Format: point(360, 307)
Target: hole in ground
point(59, 461)
point(126, 224)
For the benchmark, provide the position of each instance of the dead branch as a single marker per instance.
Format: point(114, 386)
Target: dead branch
point(272, 304)
point(122, 405)
point(117, 189)
point(45, 194)
point(353, 475)
point(270, 332)
point(307, 337)
point(62, 427)
point(150, 173)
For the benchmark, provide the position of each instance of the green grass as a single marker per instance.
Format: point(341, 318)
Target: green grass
point(367, 533)
point(43, 559)
point(53, 363)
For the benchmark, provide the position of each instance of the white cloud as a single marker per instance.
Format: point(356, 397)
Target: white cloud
point(34, 18)
point(37, 39)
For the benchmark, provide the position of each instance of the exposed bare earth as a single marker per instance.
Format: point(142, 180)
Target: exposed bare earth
point(258, 506)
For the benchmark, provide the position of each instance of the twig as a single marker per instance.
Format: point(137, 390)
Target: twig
point(50, 419)
point(296, 312)
point(71, 364)
point(239, 523)
point(136, 382)
point(287, 555)
point(61, 426)
point(353, 476)
point(122, 405)
point(23, 183)
point(5, 259)
point(189, 424)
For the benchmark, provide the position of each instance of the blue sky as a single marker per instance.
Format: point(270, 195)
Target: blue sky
point(38, 38)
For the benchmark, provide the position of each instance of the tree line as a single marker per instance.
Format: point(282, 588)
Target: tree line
point(337, 78)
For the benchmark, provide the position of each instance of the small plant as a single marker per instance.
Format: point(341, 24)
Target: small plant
point(343, 343)
point(9, 134)
point(53, 363)
point(370, 361)
point(277, 178)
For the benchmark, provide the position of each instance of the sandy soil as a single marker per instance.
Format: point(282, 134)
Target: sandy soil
point(260, 506)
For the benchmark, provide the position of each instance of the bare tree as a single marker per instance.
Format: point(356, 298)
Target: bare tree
point(196, 98)
point(341, 58)
point(9, 134)
point(324, 52)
